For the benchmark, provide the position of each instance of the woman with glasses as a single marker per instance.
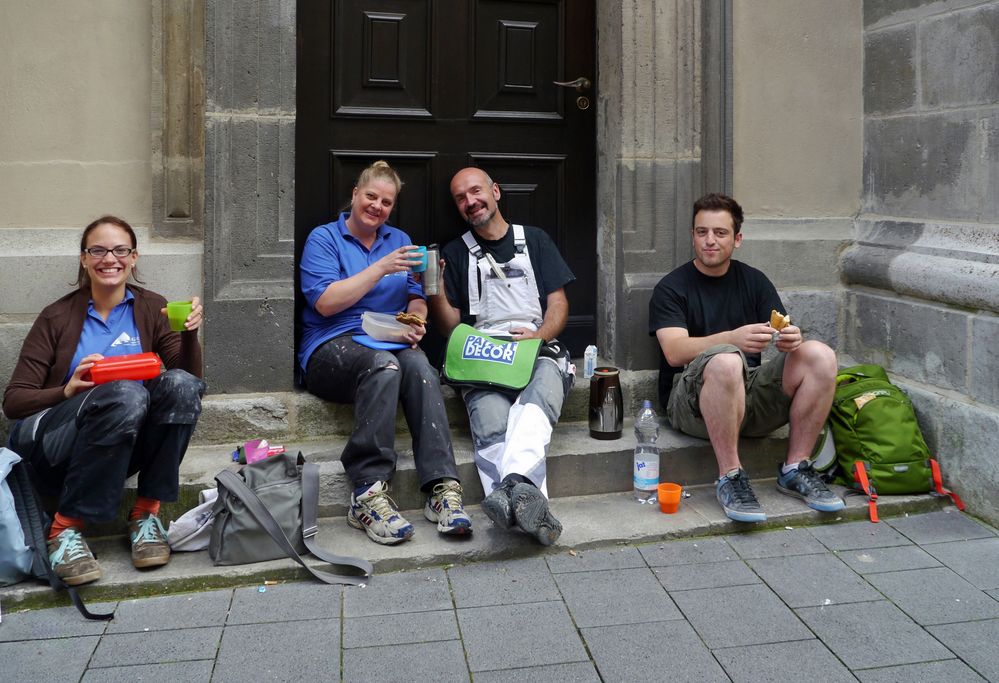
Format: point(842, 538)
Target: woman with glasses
point(83, 440)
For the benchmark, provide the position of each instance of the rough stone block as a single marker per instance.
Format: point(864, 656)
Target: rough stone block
point(250, 346)
point(942, 166)
point(959, 57)
point(796, 253)
point(878, 11)
point(890, 70)
point(922, 342)
point(962, 436)
point(984, 359)
point(815, 312)
point(233, 419)
point(948, 263)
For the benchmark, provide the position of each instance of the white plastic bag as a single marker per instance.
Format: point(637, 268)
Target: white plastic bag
point(193, 529)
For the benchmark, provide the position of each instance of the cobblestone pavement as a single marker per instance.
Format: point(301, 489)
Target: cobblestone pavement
point(911, 599)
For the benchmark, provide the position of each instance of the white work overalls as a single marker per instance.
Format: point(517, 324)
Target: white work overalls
point(499, 305)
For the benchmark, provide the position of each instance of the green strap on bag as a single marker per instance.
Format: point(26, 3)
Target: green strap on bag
point(478, 360)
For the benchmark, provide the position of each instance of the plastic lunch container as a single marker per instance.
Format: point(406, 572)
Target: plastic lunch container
point(137, 366)
point(384, 326)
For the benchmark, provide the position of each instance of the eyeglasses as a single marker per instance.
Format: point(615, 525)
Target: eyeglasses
point(121, 251)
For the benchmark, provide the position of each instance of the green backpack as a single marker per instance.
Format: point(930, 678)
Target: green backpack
point(879, 447)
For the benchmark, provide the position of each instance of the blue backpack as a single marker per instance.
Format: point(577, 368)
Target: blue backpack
point(23, 549)
point(15, 555)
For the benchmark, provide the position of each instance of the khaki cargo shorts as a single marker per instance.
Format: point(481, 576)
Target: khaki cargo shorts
point(767, 406)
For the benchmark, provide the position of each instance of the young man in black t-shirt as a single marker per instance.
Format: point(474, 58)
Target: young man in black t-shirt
point(711, 317)
point(508, 281)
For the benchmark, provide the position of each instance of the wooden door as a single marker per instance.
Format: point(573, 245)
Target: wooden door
point(432, 86)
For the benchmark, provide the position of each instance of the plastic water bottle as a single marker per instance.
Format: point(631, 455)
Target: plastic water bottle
point(589, 361)
point(646, 472)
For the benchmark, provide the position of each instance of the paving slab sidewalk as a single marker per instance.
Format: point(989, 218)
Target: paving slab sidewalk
point(913, 598)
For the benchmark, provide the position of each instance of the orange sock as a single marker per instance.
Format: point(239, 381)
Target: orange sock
point(144, 506)
point(61, 522)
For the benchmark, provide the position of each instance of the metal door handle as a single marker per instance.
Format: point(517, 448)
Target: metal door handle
point(581, 84)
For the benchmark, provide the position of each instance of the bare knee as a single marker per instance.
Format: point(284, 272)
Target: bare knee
point(725, 368)
point(821, 359)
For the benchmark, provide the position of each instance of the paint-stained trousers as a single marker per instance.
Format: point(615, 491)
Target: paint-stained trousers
point(343, 371)
point(84, 448)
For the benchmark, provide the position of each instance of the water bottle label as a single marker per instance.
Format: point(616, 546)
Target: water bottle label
point(646, 474)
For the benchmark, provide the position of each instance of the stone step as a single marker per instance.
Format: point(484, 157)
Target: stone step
point(577, 465)
point(589, 522)
point(298, 415)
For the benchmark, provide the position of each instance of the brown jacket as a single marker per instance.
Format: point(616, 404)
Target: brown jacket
point(38, 378)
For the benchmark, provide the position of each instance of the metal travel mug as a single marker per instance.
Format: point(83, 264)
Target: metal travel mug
point(606, 404)
point(432, 272)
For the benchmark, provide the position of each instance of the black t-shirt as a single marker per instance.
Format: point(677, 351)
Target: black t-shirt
point(706, 305)
point(550, 270)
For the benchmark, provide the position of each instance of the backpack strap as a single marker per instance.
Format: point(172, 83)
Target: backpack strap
point(939, 487)
point(860, 476)
point(32, 516)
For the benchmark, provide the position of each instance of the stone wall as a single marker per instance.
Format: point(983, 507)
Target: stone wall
point(923, 277)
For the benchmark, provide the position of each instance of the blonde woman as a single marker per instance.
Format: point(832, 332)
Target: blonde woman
point(352, 265)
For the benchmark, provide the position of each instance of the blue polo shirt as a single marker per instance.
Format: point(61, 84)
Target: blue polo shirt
point(116, 336)
point(332, 254)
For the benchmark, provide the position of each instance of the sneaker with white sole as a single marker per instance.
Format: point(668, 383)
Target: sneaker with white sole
point(71, 558)
point(735, 495)
point(376, 513)
point(805, 483)
point(444, 507)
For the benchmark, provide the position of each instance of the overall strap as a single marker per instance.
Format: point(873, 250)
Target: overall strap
point(519, 241)
point(474, 254)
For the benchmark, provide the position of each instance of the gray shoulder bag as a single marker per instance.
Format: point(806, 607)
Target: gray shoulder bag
point(268, 511)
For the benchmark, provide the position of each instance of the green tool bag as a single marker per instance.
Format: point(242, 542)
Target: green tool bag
point(478, 360)
point(879, 447)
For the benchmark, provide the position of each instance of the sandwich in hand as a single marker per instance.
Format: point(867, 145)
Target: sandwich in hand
point(407, 318)
point(779, 321)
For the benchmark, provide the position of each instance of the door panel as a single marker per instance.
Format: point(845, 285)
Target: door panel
point(432, 86)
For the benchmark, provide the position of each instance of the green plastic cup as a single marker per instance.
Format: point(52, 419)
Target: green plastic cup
point(177, 312)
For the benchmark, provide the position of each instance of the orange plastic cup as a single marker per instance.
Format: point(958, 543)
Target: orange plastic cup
point(669, 497)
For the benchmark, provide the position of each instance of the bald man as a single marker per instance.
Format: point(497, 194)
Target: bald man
point(511, 430)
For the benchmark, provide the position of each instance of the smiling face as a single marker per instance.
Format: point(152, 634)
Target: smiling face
point(714, 239)
point(370, 205)
point(475, 196)
point(109, 271)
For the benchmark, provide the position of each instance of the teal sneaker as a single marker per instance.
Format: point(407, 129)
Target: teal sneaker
point(150, 547)
point(805, 483)
point(71, 558)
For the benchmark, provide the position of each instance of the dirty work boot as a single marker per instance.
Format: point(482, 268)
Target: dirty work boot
point(149, 542)
point(444, 507)
point(805, 483)
point(376, 513)
point(497, 504)
point(530, 510)
point(71, 558)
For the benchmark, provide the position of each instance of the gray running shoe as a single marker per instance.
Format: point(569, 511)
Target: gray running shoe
point(805, 483)
point(530, 510)
point(737, 499)
point(497, 505)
